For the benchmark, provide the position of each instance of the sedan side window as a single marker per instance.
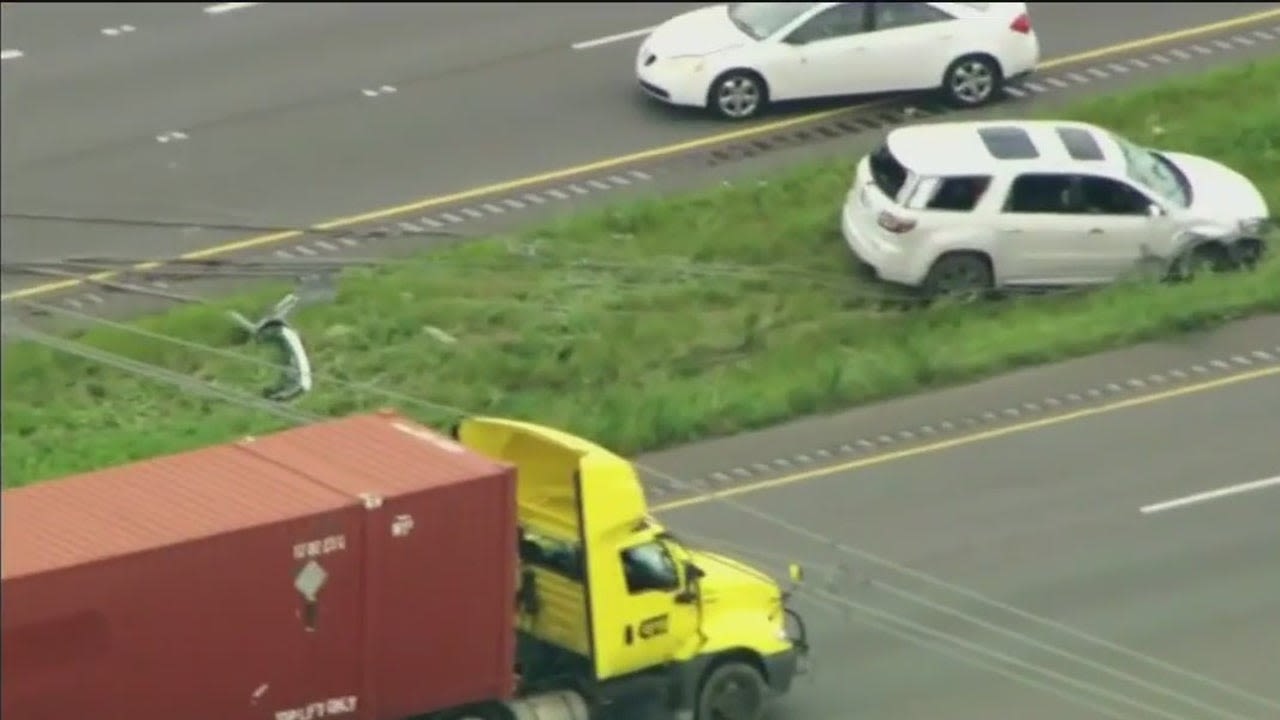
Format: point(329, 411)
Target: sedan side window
point(1044, 194)
point(1104, 196)
point(842, 20)
point(892, 15)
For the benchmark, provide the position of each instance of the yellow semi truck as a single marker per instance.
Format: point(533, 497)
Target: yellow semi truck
point(612, 606)
point(370, 568)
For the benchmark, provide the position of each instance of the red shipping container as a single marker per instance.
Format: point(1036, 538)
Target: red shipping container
point(361, 568)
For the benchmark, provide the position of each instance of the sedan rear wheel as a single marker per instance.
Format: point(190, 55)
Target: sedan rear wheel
point(972, 80)
point(737, 95)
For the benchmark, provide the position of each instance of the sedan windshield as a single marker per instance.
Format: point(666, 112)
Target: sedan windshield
point(762, 19)
point(1149, 168)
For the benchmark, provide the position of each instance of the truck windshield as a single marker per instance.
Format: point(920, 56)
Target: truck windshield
point(1154, 171)
point(762, 19)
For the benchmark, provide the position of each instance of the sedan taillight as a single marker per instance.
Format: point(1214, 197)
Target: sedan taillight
point(1021, 24)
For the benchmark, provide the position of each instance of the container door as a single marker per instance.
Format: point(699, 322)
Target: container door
point(442, 582)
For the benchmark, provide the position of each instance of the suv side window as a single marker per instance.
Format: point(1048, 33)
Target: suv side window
point(960, 194)
point(1104, 196)
point(893, 15)
point(1074, 195)
point(1043, 194)
point(842, 20)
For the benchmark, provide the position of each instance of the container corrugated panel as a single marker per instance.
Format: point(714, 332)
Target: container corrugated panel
point(442, 547)
point(166, 588)
point(150, 504)
point(361, 568)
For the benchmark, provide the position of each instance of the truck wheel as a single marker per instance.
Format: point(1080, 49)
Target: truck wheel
point(733, 691)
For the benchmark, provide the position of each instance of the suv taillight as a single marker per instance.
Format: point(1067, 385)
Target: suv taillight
point(895, 224)
point(1021, 24)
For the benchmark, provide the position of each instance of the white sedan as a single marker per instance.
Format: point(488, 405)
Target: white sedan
point(734, 59)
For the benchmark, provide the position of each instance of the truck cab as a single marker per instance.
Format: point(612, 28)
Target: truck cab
point(613, 605)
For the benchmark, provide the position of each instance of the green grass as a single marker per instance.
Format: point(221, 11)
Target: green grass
point(723, 310)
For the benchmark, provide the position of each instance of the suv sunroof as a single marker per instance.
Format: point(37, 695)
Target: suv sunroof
point(1008, 143)
point(1080, 144)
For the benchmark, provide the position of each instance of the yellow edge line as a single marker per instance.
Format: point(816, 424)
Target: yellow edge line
point(608, 163)
point(964, 440)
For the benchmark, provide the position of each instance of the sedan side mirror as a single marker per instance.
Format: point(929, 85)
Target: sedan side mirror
point(1155, 211)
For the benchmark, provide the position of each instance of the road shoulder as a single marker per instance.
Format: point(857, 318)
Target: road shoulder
point(1014, 397)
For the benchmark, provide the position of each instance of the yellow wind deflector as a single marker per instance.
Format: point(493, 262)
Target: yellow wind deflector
point(548, 460)
point(569, 491)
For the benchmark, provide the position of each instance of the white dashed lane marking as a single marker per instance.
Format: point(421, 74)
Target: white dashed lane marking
point(878, 443)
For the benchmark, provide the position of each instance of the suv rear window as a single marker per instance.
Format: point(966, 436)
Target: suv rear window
point(888, 174)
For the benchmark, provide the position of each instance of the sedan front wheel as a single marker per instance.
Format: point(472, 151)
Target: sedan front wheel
point(738, 95)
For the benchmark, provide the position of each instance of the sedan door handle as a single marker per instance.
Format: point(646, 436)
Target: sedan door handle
point(1095, 231)
point(1011, 231)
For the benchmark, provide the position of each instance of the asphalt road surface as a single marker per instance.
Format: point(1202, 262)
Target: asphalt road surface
point(1047, 520)
point(280, 114)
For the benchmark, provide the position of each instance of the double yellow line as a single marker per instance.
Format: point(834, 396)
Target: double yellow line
point(605, 164)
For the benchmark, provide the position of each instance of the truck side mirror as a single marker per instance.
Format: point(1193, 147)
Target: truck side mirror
point(796, 573)
point(692, 574)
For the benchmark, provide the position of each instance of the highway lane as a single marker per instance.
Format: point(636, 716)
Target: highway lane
point(1048, 521)
point(276, 129)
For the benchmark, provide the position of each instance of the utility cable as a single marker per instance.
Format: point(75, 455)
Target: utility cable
point(950, 650)
point(848, 550)
point(840, 547)
point(884, 621)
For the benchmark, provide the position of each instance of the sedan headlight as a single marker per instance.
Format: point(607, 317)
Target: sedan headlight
point(688, 63)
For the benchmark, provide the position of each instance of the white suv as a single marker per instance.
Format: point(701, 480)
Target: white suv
point(966, 206)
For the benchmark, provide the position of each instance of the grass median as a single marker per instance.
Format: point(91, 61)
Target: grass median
point(646, 324)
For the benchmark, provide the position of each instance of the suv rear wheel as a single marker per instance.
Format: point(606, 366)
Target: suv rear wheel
point(959, 276)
